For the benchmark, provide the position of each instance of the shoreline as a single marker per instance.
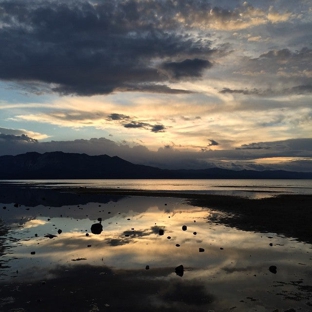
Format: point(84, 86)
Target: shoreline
point(289, 215)
point(87, 287)
point(286, 214)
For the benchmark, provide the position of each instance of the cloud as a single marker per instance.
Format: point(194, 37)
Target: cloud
point(144, 125)
point(10, 137)
point(296, 90)
point(293, 153)
point(187, 68)
point(20, 135)
point(85, 48)
point(272, 74)
point(213, 143)
point(158, 128)
point(115, 116)
point(203, 15)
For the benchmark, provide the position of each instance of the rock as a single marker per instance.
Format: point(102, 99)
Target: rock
point(201, 249)
point(50, 236)
point(97, 228)
point(147, 267)
point(273, 269)
point(89, 245)
point(16, 205)
point(195, 233)
point(161, 231)
point(179, 270)
point(271, 244)
point(59, 231)
point(221, 248)
point(87, 234)
point(99, 219)
point(184, 227)
point(177, 245)
point(169, 237)
point(33, 253)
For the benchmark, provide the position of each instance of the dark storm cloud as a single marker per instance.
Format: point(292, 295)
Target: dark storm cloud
point(144, 125)
point(158, 128)
point(80, 48)
point(187, 68)
point(115, 116)
point(11, 137)
point(135, 124)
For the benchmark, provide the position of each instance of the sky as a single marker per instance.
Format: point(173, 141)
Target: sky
point(173, 84)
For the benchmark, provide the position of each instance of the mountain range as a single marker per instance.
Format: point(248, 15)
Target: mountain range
point(59, 165)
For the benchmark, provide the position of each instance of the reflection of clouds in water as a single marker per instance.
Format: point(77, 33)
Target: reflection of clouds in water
point(34, 223)
point(130, 241)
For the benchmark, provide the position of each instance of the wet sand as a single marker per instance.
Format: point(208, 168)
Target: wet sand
point(99, 288)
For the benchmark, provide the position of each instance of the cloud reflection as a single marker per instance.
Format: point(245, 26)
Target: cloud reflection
point(232, 261)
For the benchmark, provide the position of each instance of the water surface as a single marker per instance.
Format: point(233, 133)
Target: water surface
point(224, 268)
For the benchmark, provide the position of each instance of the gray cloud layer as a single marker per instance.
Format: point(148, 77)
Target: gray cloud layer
point(85, 49)
point(168, 157)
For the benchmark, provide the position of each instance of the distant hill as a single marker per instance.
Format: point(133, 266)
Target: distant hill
point(59, 165)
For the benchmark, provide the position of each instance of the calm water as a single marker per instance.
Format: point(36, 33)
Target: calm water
point(248, 188)
point(230, 273)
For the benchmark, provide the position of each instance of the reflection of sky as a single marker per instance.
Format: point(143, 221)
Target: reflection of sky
point(234, 262)
point(252, 188)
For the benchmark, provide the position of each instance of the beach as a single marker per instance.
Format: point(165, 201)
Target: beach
point(236, 253)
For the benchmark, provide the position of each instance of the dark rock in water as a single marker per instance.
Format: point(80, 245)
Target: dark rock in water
point(271, 244)
point(273, 269)
point(195, 233)
point(4, 207)
point(161, 232)
point(147, 267)
point(221, 248)
point(201, 249)
point(179, 270)
point(177, 245)
point(59, 231)
point(15, 205)
point(78, 259)
point(169, 237)
point(36, 235)
point(184, 227)
point(33, 253)
point(99, 219)
point(50, 236)
point(89, 245)
point(97, 228)
point(87, 234)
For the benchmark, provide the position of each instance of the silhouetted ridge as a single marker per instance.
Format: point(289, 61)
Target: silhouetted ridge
point(60, 165)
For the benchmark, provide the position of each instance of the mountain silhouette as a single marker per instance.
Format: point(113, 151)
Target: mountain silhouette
point(59, 165)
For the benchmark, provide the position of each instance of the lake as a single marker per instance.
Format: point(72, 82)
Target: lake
point(137, 253)
point(244, 187)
